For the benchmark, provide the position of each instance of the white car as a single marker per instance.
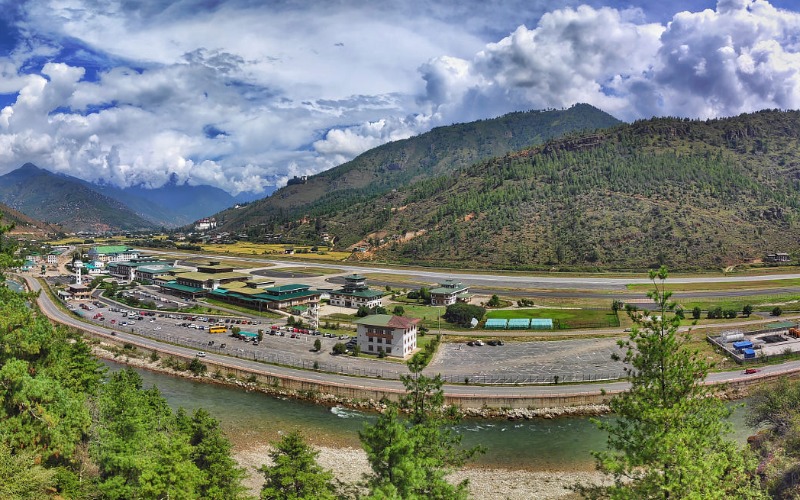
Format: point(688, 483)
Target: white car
point(201, 354)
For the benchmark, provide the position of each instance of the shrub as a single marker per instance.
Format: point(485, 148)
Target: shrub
point(462, 314)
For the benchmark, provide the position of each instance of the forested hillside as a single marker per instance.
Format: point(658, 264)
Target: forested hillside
point(688, 194)
point(66, 201)
point(24, 224)
point(397, 164)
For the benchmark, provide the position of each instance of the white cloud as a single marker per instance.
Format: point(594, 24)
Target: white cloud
point(743, 56)
point(245, 94)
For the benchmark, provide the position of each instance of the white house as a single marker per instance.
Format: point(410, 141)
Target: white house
point(394, 335)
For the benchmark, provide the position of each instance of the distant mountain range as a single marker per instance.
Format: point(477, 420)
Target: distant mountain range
point(78, 205)
point(394, 165)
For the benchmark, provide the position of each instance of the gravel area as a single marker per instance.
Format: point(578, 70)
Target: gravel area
point(350, 464)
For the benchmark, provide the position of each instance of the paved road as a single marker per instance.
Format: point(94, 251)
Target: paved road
point(54, 313)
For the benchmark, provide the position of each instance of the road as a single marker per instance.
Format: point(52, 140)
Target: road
point(53, 312)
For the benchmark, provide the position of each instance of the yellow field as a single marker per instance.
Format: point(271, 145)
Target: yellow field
point(247, 248)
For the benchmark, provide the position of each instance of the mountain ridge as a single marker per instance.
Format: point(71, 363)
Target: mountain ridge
point(399, 163)
point(690, 194)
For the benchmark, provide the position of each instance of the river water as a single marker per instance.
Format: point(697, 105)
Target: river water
point(17, 287)
point(253, 418)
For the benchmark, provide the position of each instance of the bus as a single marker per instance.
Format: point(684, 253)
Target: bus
point(217, 329)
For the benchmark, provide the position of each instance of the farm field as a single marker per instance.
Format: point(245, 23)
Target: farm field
point(247, 248)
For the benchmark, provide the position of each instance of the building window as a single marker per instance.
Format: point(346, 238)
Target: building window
point(370, 347)
point(388, 350)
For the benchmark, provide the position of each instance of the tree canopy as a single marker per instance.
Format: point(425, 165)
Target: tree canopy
point(669, 438)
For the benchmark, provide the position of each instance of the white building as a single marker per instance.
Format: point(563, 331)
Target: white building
point(449, 292)
point(355, 293)
point(205, 224)
point(394, 335)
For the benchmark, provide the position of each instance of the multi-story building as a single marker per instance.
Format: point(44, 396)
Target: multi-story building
point(394, 335)
point(355, 293)
point(449, 292)
point(113, 253)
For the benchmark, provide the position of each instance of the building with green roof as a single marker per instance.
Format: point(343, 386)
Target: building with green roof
point(355, 293)
point(393, 335)
point(284, 297)
point(113, 253)
point(449, 292)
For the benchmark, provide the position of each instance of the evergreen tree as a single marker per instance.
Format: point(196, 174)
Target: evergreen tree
point(7, 248)
point(295, 473)
point(410, 457)
point(669, 438)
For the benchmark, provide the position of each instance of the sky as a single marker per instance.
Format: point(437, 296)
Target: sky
point(245, 94)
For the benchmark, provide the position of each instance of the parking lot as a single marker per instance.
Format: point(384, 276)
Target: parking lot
point(513, 362)
point(529, 362)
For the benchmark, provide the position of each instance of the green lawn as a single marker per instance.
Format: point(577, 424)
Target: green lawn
point(564, 318)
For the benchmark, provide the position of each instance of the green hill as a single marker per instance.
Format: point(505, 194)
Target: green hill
point(397, 164)
point(66, 201)
point(24, 225)
point(689, 194)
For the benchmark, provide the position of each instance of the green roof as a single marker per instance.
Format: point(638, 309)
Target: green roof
point(111, 249)
point(287, 288)
point(182, 288)
point(447, 290)
point(387, 320)
point(197, 276)
point(367, 294)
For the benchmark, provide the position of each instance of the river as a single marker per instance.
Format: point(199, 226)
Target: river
point(252, 418)
point(17, 287)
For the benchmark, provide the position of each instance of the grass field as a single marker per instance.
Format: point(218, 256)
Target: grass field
point(566, 318)
point(737, 285)
point(762, 303)
point(305, 270)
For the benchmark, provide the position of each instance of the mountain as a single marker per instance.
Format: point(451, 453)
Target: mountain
point(688, 194)
point(64, 200)
point(24, 224)
point(174, 204)
point(397, 164)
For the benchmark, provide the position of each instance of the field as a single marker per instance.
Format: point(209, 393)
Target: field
point(563, 318)
point(247, 248)
point(737, 285)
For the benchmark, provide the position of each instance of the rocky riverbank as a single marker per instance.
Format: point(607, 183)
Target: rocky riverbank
point(349, 465)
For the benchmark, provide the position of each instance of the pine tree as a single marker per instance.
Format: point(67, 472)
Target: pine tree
point(668, 440)
point(410, 457)
point(295, 473)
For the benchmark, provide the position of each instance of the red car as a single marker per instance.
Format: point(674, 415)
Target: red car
point(751, 371)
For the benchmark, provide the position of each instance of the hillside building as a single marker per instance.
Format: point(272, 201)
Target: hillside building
point(449, 292)
point(394, 335)
point(205, 224)
point(355, 293)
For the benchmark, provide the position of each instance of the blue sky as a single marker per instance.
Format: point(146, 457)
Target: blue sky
point(243, 94)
